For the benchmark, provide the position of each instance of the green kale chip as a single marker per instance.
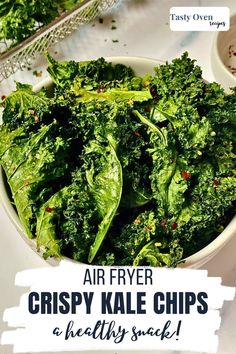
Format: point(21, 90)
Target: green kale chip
point(25, 108)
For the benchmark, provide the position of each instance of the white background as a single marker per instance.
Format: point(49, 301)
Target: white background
point(142, 30)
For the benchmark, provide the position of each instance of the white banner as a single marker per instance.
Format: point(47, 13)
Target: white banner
point(76, 307)
point(200, 18)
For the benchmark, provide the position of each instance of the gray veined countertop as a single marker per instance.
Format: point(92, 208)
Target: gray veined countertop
point(142, 29)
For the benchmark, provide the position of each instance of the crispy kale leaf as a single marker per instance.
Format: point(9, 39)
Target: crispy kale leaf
point(105, 185)
point(142, 243)
point(85, 209)
point(95, 74)
point(66, 222)
point(33, 165)
point(25, 108)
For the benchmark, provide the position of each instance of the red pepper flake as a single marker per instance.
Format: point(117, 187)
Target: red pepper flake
point(231, 50)
point(216, 183)
point(49, 210)
point(153, 92)
point(163, 222)
point(186, 175)
point(3, 97)
point(147, 109)
point(101, 88)
point(174, 225)
point(136, 133)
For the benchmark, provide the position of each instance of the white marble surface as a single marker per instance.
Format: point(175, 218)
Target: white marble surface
point(142, 30)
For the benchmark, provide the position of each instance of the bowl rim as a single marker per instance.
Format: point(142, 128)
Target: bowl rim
point(194, 261)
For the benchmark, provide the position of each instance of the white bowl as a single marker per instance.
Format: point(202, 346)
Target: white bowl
point(141, 66)
point(223, 56)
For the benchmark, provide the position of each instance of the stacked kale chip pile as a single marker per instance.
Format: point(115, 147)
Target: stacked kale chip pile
point(19, 19)
point(119, 169)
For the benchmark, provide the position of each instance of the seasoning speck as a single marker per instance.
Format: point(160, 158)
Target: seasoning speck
point(37, 73)
point(100, 20)
point(49, 210)
point(36, 119)
point(147, 109)
point(174, 225)
point(101, 88)
point(31, 111)
point(186, 175)
point(137, 221)
point(153, 91)
point(113, 27)
point(115, 40)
